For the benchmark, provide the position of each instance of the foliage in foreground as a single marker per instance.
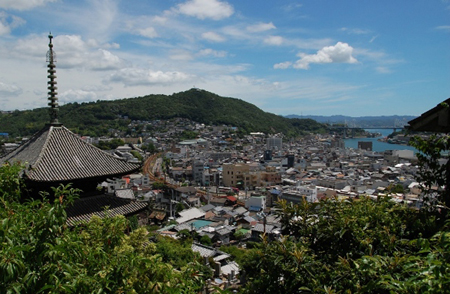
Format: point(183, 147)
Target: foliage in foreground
point(361, 246)
point(434, 174)
point(40, 254)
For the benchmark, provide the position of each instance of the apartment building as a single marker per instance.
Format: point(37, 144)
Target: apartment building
point(297, 194)
point(233, 174)
point(197, 171)
point(274, 143)
point(270, 177)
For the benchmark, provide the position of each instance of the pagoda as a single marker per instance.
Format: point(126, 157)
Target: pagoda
point(55, 155)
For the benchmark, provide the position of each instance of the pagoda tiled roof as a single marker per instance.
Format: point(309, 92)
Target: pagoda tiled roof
point(55, 154)
point(83, 209)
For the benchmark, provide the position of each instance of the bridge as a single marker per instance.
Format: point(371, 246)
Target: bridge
point(345, 129)
point(381, 128)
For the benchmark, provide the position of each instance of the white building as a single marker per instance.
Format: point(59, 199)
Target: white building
point(274, 143)
point(298, 193)
point(256, 203)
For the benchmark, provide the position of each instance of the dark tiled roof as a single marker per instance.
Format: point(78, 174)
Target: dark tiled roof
point(56, 154)
point(435, 120)
point(187, 189)
point(125, 193)
point(204, 251)
point(260, 228)
point(83, 209)
point(223, 231)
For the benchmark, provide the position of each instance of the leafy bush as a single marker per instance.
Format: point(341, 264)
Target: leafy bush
point(40, 254)
point(361, 246)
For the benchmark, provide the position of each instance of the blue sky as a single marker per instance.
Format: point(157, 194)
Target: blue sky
point(310, 57)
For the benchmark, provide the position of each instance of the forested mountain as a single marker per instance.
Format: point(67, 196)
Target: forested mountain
point(96, 118)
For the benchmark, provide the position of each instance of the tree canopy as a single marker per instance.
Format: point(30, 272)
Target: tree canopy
point(360, 246)
point(98, 118)
point(39, 253)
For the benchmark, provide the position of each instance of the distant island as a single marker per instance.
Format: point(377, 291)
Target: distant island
point(393, 121)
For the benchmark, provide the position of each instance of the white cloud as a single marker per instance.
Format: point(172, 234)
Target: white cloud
point(96, 88)
point(16, 21)
point(141, 77)
point(211, 52)
point(7, 23)
point(149, 32)
point(111, 46)
point(29, 47)
point(71, 43)
point(105, 60)
point(309, 44)
point(102, 20)
point(214, 37)
point(202, 9)
point(23, 4)
point(443, 28)
point(70, 96)
point(4, 28)
point(9, 90)
point(181, 55)
point(339, 53)
point(71, 52)
point(213, 69)
point(291, 7)
point(274, 40)
point(252, 89)
point(261, 27)
point(94, 19)
point(355, 31)
point(383, 69)
point(378, 56)
point(282, 65)
point(236, 32)
point(162, 20)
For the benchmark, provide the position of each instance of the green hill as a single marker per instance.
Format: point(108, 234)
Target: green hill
point(96, 118)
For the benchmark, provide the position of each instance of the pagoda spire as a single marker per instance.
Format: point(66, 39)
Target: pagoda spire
point(53, 100)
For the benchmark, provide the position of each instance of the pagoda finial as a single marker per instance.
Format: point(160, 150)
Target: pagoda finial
point(53, 100)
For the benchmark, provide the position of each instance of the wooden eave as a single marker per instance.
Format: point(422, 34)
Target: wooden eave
point(435, 120)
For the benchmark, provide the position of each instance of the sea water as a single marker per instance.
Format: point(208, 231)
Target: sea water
point(377, 145)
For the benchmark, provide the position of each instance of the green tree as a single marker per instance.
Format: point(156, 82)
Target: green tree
point(150, 147)
point(188, 135)
point(398, 188)
point(360, 246)
point(39, 253)
point(111, 144)
point(434, 175)
point(205, 240)
point(159, 185)
point(137, 155)
point(10, 182)
point(179, 207)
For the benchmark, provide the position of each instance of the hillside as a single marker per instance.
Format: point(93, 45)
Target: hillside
point(96, 118)
point(361, 121)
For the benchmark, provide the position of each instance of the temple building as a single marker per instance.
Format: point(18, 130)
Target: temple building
point(436, 120)
point(55, 155)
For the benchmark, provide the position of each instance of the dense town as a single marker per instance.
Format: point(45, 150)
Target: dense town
point(225, 188)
